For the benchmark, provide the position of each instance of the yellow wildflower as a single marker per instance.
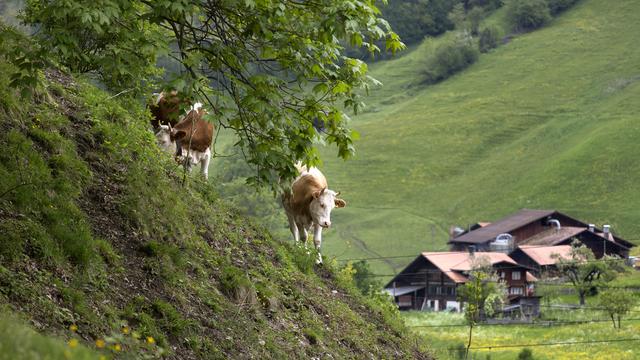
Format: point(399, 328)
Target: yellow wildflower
point(73, 327)
point(117, 347)
point(125, 330)
point(150, 340)
point(100, 343)
point(102, 357)
point(73, 343)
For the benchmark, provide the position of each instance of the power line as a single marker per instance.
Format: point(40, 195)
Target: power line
point(541, 323)
point(553, 344)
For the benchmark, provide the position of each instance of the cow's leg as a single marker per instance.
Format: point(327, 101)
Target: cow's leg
point(294, 229)
point(317, 240)
point(304, 235)
point(204, 164)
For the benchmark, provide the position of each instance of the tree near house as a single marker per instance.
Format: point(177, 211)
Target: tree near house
point(480, 295)
point(617, 303)
point(586, 273)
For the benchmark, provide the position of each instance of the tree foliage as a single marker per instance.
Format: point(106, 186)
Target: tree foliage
point(269, 69)
point(454, 55)
point(617, 303)
point(482, 285)
point(528, 14)
point(363, 277)
point(585, 272)
point(415, 19)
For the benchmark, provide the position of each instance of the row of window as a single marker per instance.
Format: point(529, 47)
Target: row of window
point(442, 290)
point(515, 275)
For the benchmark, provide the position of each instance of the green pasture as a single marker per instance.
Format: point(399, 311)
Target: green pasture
point(444, 338)
point(548, 120)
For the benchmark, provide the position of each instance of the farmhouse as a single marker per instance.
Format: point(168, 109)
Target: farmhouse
point(540, 228)
point(541, 259)
point(430, 282)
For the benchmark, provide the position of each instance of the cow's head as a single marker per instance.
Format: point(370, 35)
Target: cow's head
point(321, 205)
point(164, 138)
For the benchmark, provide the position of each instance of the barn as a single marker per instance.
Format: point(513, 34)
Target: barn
point(539, 228)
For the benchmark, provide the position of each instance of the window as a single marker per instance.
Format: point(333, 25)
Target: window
point(501, 274)
point(516, 291)
point(515, 275)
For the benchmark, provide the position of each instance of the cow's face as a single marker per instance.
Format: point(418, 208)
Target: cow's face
point(323, 202)
point(163, 136)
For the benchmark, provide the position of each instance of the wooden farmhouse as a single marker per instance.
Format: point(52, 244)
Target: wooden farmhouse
point(431, 281)
point(537, 228)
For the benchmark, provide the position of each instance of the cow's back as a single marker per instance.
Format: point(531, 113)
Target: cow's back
point(203, 134)
point(305, 185)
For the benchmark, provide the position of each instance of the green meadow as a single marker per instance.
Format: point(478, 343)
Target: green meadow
point(547, 120)
point(505, 342)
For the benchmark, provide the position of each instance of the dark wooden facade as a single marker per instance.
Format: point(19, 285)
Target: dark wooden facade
point(423, 286)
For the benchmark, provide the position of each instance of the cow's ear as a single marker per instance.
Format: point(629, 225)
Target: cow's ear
point(340, 203)
point(179, 134)
point(316, 194)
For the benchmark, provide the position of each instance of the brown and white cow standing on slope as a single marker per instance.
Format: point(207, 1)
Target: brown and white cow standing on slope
point(309, 204)
point(191, 137)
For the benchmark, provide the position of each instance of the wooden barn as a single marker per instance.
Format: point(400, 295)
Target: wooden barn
point(539, 228)
point(430, 282)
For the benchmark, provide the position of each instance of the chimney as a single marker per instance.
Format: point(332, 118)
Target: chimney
point(606, 229)
point(592, 227)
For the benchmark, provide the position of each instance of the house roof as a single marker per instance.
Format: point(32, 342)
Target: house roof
point(505, 225)
point(543, 255)
point(553, 236)
point(453, 263)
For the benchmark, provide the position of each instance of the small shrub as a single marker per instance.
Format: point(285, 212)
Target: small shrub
point(168, 318)
point(235, 284)
point(525, 354)
point(450, 58)
point(558, 6)
point(304, 258)
point(311, 335)
point(488, 40)
point(474, 18)
point(528, 14)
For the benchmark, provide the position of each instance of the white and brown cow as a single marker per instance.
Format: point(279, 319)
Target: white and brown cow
point(309, 204)
point(190, 138)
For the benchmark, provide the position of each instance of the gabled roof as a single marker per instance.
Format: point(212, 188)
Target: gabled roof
point(505, 225)
point(553, 236)
point(542, 255)
point(452, 264)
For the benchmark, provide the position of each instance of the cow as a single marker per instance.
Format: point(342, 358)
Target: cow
point(189, 139)
point(166, 109)
point(309, 204)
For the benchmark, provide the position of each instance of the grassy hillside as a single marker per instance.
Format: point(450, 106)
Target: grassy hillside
point(549, 120)
point(105, 252)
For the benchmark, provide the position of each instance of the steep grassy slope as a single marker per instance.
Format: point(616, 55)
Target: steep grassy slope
point(549, 120)
point(102, 246)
